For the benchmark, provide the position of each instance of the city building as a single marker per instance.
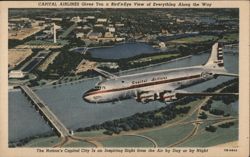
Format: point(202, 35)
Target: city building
point(111, 29)
point(16, 74)
point(119, 24)
point(94, 35)
point(11, 26)
point(56, 19)
point(90, 17)
point(178, 20)
point(108, 35)
point(23, 19)
point(162, 45)
point(110, 65)
point(76, 19)
point(101, 20)
point(79, 35)
point(120, 39)
point(98, 25)
point(37, 23)
point(85, 27)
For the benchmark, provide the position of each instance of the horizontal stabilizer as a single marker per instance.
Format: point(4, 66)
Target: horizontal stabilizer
point(105, 74)
point(216, 58)
point(227, 74)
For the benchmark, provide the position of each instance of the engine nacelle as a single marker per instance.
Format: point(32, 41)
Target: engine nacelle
point(146, 97)
point(207, 75)
point(168, 96)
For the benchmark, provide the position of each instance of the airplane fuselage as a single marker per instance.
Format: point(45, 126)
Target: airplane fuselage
point(128, 86)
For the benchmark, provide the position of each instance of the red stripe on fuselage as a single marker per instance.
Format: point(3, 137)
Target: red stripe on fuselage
point(144, 85)
point(170, 96)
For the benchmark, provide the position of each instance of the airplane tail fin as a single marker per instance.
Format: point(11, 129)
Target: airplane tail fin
point(216, 58)
point(216, 62)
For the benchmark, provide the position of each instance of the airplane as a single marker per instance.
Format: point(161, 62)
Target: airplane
point(162, 85)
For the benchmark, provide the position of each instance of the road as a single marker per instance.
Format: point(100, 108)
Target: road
point(145, 137)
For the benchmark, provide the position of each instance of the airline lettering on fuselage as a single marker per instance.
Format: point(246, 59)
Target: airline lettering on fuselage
point(153, 79)
point(139, 82)
point(159, 78)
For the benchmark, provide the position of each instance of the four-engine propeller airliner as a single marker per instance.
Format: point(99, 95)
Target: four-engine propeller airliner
point(162, 85)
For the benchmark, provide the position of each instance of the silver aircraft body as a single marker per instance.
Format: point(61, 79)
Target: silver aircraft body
point(162, 85)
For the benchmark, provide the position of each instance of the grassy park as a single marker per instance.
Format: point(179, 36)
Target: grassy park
point(206, 139)
point(157, 57)
point(89, 133)
point(43, 142)
point(195, 39)
point(127, 141)
point(46, 42)
point(166, 136)
point(231, 37)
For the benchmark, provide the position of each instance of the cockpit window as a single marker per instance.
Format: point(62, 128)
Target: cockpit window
point(97, 87)
point(100, 87)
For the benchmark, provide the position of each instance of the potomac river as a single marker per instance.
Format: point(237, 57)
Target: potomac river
point(66, 101)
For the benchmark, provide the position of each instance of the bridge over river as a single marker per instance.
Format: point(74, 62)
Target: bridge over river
point(45, 112)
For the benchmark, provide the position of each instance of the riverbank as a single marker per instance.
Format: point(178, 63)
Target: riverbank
point(108, 46)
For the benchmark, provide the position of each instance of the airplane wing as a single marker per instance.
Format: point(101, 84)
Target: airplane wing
point(105, 74)
point(182, 94)
point(171, 95)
